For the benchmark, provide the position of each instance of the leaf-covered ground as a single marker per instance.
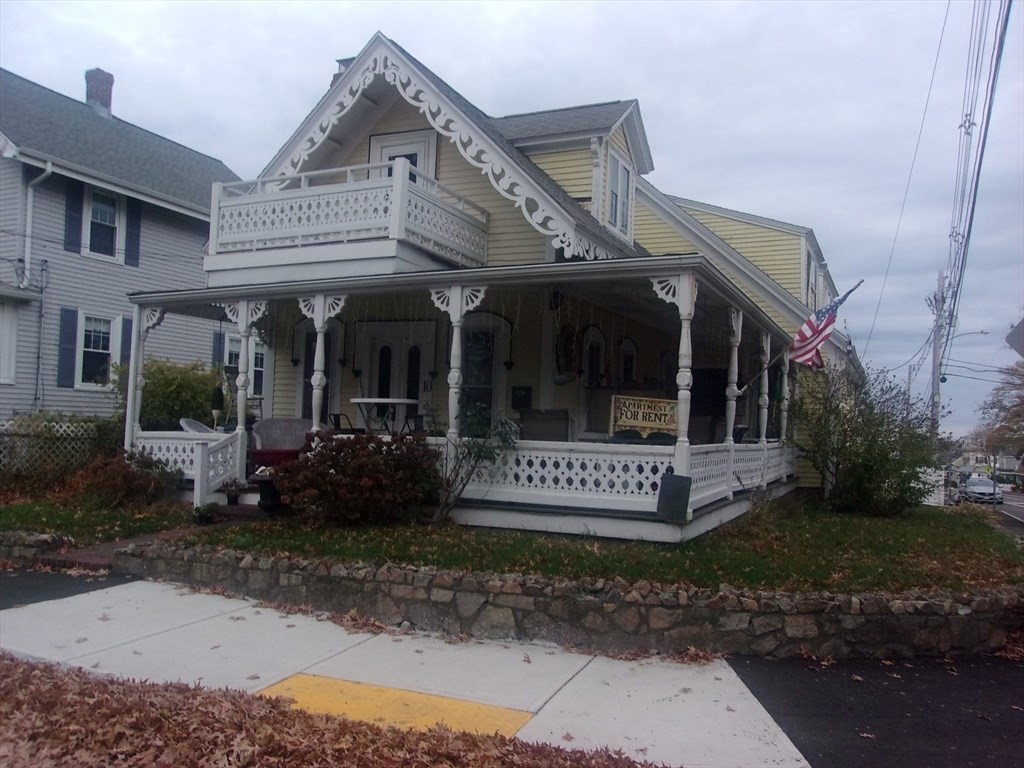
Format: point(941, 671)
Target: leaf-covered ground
point(55, 716)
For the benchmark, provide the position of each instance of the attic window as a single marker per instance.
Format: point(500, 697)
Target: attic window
point(620, 178)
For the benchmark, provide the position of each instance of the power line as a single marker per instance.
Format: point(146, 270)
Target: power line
point(910, 176)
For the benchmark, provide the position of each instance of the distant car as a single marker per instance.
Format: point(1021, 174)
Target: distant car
point(979, 490)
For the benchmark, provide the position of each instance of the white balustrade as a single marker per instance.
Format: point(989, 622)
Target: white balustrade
point(209, 463)
point(348, 204)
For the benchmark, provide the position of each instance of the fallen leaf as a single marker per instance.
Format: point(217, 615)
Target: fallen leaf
point(568, 737)
point(526, 658)
point(868, 736)
point(857, 678)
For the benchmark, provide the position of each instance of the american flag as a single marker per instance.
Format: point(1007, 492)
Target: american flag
point(807, 343)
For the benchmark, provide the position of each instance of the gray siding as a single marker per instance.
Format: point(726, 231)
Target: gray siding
point(18, 396)
point(171, 258)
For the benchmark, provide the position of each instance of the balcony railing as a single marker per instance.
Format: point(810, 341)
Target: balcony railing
point(363, 202)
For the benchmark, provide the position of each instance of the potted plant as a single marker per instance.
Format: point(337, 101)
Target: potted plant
point(232, 489)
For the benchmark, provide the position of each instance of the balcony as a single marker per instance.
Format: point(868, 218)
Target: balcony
point(340, 207)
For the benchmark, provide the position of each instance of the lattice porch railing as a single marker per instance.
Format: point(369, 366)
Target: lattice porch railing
point(339, 205)
point(612, 476)
point(209, 463)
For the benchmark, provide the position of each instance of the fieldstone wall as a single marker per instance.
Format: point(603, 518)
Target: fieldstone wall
point(25, 548)
point(610, 615)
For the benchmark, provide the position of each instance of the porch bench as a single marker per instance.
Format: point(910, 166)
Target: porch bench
point(277, 441)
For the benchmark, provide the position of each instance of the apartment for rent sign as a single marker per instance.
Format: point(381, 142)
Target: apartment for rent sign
point(644, 414)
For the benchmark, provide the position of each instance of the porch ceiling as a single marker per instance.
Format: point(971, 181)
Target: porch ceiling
point(623, 284)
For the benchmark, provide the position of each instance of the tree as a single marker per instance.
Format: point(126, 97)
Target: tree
point(867, 438)
point(1003, 412)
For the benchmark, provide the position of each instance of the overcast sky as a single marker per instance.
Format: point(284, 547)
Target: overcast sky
point(806, 112)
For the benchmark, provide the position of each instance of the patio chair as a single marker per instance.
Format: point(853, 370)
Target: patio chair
point(191, 425)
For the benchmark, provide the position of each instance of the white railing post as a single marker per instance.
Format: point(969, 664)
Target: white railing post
point(399, 195)
point(215, 216)
point(320, 308)
point(202, 480)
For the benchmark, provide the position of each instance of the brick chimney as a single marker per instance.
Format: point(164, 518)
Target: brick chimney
point(99, 87)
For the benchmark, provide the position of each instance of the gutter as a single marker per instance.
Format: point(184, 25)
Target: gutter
point(29, 199)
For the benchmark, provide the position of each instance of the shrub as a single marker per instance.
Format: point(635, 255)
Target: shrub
point(121, 481)
point(867, 438)
point(359, 479)
point(173, 391)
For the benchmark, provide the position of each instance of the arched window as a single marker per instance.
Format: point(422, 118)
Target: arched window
point(627, 360)
point(593, 356)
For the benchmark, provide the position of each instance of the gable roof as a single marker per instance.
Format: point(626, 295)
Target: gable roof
point(581, 122)
point(47, 126)
point(544, 203)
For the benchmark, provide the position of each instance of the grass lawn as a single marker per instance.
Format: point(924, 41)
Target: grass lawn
point(92, 526)
point(793, 546)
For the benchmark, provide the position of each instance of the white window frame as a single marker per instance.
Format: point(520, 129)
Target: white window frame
point(255, 346)
point(8, 341)
point(114, 352)
point(621, 180)
point(120, 224)
point(422, 142)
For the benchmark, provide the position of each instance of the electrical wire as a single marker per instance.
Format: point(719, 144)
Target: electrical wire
point(910, 176)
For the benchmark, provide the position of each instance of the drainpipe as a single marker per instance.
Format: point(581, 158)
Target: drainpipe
point(29, 197)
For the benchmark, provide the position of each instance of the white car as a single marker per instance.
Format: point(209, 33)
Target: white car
point(979, 490)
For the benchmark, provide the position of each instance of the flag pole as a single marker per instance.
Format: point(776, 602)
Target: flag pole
point(790, 345)
point(757, 375)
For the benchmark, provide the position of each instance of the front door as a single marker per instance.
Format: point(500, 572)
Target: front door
point(396, 360)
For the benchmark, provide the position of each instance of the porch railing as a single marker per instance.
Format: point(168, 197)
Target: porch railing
point(363, 202)
point(621, 476)
point(209, 463)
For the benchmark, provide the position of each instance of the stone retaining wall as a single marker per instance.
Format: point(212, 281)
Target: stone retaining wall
point(610, 615)
point(24, 548)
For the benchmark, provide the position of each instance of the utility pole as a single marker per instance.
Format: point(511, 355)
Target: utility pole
point(940, 327)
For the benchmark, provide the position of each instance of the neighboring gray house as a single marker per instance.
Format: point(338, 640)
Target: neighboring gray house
point(91, 208)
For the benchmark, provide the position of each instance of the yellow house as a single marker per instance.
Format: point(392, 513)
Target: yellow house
point(404, 254)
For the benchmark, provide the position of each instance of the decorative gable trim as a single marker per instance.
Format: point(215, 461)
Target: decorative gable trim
point(381, 59)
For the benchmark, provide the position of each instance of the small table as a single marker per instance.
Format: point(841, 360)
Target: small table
point(387, 413)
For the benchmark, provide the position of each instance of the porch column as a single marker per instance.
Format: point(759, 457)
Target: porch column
point(320, 308)
point(762, 400)
point(762, 407)
point(681, 290)
point(784, 405)
point(456, 300)
point(243, 314)
point(142, 323)
point(732, 392)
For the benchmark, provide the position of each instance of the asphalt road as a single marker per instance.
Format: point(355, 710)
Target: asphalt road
point(965, 712)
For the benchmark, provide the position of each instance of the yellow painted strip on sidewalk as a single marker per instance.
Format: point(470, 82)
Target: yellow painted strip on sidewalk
point(392, 706)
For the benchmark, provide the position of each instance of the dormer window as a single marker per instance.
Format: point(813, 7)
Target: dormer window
point(620, 178)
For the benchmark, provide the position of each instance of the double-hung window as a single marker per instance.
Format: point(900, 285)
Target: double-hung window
point(8, 341)
point(257, 362)
point(96, 351)
point(102, 234)
point(620, 178)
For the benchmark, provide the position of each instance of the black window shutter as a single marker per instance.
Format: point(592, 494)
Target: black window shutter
point(133, 235)
point(126, 342)
point(67, 347)
point(73, 203)
point(217, 358)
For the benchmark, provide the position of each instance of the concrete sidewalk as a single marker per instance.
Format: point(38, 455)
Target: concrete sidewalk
point(697, 715)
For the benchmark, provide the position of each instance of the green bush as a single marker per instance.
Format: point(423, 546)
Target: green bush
point(867, 438)
point(121, 481)
point(173, 391)
point(360, 479)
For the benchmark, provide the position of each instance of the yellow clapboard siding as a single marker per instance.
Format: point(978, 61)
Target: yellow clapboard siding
point(777, 253)
point(653, 233)
point(573, 171)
